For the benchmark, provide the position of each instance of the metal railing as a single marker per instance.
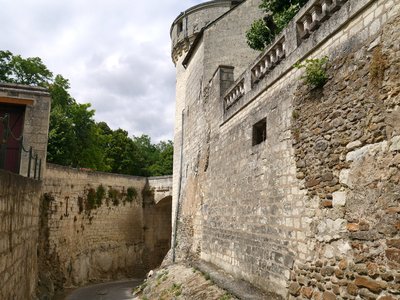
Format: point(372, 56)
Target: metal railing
point(34, 162)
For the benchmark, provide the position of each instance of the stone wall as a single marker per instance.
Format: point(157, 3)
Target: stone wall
point(312, 210)
point(19, 232)
point(37, 104)
point(192, 82)
point(95, 225)
point(346, 141)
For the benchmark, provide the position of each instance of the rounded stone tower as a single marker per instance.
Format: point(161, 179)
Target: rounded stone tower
point(190, 22)
point(183, 32)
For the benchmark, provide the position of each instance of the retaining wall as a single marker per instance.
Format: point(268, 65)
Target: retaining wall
point(19, 232)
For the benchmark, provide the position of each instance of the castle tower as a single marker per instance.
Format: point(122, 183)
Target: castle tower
point(184, 30)
point(189, 23)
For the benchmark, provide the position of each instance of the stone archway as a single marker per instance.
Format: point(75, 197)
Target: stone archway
point(158, 230)
point(163, 227)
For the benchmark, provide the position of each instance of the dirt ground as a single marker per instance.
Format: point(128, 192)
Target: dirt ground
point(180, 282)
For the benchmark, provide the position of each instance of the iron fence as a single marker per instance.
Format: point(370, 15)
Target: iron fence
point(34, 164)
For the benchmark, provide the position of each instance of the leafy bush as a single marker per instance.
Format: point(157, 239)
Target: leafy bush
point(315, 73)
point(279, 14)
point(259, 35)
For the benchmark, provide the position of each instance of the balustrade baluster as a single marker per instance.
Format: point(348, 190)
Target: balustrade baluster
point(325, 10)
point(305, 22)
point(315, 13)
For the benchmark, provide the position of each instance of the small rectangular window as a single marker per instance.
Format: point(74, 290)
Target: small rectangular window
point(180, 27)
point(260, 132)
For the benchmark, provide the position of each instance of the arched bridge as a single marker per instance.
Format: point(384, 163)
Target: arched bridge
point(162, 187)
point(158, 214)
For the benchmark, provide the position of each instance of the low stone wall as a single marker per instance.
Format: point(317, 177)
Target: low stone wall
point(95, 226)
point(19, 231)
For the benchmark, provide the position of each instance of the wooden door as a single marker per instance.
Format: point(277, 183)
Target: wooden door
point(10, 148)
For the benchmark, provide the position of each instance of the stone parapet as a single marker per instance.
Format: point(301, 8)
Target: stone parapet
point(190, 23)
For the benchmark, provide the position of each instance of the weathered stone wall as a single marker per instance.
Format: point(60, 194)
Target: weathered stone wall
point(192, 82)
point(19, 232)
point(230, 49)
point(313, 210)
point(346, 140)
point(95, 225)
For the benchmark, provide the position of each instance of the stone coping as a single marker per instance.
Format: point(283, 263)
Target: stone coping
point(201, 6)
point(21, 88)
point(56, 167)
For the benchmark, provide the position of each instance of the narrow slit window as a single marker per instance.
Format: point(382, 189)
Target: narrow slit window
point(260, 132)
point(180, 27)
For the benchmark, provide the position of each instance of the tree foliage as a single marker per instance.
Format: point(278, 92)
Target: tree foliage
point(30, 71)
point(75, 139)
point(278, 15)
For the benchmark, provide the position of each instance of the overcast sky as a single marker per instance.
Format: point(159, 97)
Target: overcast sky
point(116, 54)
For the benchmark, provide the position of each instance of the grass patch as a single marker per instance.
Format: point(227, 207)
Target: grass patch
point(176, 289)
point(226, 296)
point(139, 288)
point(207, 276)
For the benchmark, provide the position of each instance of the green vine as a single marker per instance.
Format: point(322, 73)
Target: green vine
point(114, 195)
point(100, 194)
point(90, 199)
point(131, 194)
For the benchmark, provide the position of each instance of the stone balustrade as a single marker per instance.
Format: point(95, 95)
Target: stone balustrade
point(234, 94)
point(269, 60)
point(314, 17)
point(318, 13)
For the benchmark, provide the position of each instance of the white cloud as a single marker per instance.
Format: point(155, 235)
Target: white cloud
point(115, 53)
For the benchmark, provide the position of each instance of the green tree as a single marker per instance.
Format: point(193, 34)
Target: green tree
point(145, 155)
point(5, 66)
point(62, 140)
point(164, 160)
point(58, 90)
point(75, 139)
point(278, 15)
point(29, 71)
point(120, 152)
